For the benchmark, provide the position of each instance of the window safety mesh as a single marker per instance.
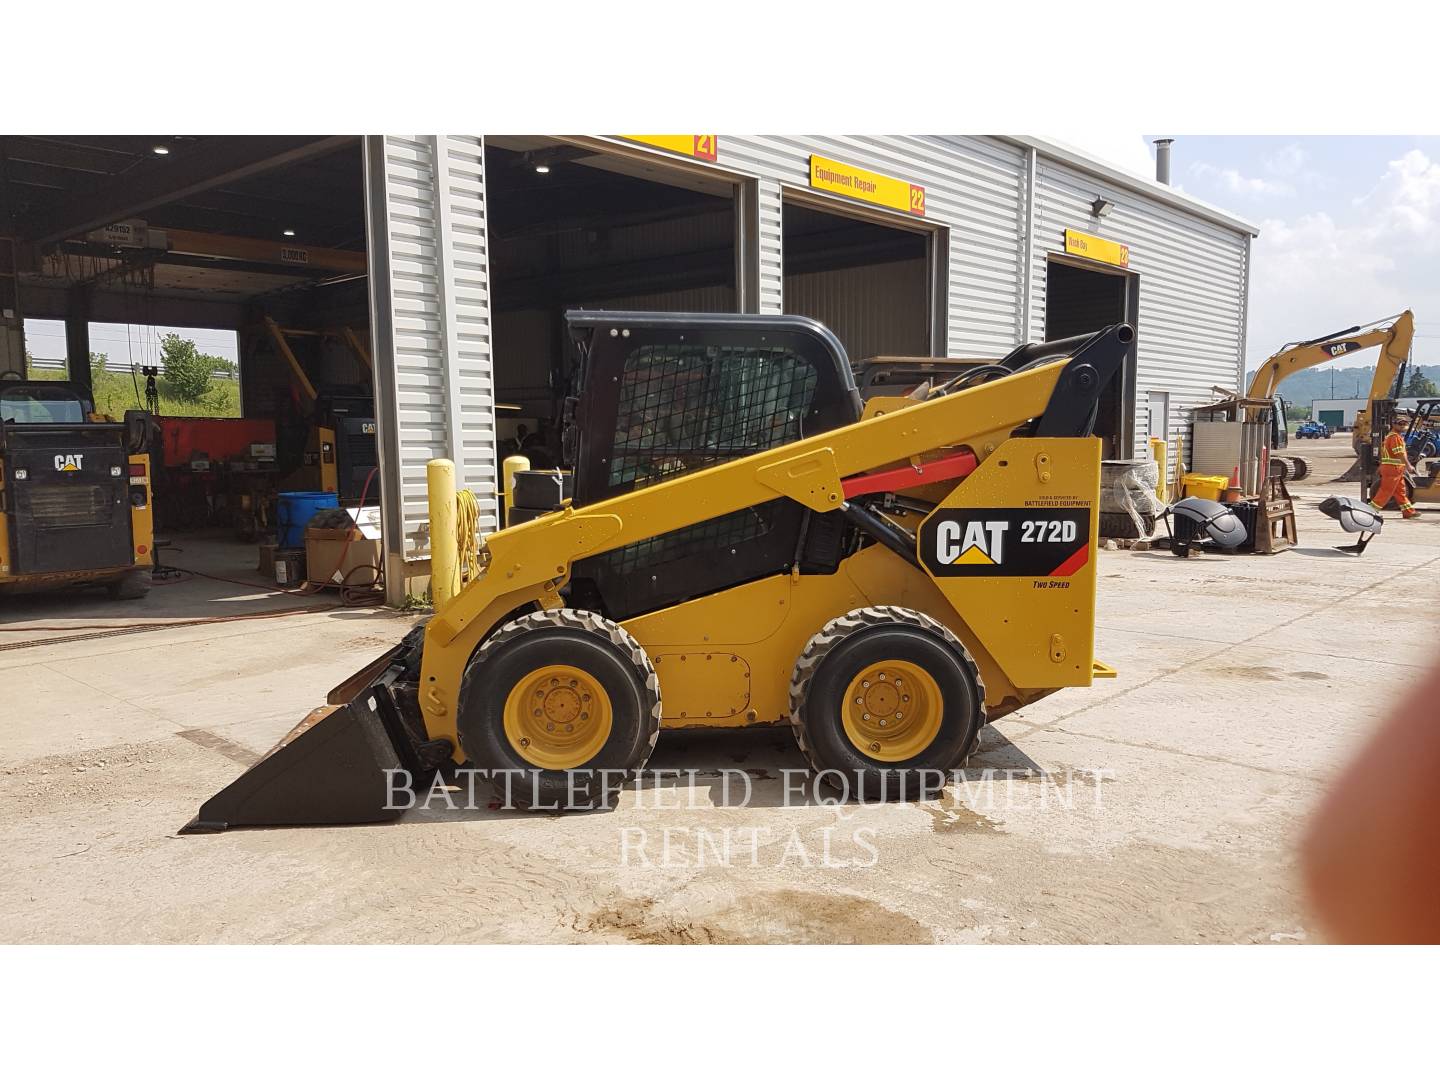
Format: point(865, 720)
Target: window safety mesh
point(686, 407)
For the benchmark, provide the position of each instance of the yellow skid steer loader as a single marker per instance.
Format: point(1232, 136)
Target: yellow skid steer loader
point(748, 543)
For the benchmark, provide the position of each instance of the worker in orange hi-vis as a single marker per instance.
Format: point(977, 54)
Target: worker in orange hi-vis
point(1394, 467)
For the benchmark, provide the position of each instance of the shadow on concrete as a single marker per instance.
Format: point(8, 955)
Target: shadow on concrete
point(758, 767)
point(220, 578)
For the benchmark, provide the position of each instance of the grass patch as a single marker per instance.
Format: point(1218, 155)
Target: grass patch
point(115, 392)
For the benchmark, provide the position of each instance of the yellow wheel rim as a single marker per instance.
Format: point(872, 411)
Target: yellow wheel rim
point(558, 717)
point(892, 710)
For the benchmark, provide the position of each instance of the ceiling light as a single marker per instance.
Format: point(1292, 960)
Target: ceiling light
point(289, 232)
point(161, 150)
point(542, 168)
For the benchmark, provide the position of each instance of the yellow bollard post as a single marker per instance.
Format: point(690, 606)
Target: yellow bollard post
point(1177, 489)
point(1158, 450)
point(510, 466)
point(444, 560)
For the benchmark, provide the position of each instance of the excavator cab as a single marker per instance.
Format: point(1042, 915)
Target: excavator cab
point(1279, 426)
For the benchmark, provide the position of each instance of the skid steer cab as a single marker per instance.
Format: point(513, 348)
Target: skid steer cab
point(74, 493)
point(747, 543)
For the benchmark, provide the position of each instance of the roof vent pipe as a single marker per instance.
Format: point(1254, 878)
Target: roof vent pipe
point(1162, 160)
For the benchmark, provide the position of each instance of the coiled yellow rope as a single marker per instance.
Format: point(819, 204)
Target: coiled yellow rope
point(467, 535)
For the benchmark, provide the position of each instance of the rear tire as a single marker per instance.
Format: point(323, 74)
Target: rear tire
point(135, 585)
point(851, 726)
point(559, 709)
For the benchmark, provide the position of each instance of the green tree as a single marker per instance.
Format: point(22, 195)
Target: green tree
point(1419, 385)
point(98, 360)
point(187, 369)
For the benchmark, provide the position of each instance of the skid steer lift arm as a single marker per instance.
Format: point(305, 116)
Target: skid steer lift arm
point(1013, 457)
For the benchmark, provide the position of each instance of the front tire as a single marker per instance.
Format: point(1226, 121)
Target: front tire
point(559, 709)
point(885, 702)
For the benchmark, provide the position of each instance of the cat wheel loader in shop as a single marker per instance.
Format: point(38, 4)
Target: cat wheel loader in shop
point(748, 543)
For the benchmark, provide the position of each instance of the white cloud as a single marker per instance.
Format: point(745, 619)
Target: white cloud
point(1287, 161)
point(1406, 201)
point(1237, 184)
point(1314, 274)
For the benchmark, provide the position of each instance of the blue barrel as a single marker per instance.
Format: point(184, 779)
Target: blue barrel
point(295, 510)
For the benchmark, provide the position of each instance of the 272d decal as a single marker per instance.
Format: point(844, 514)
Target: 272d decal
point(1005, 542)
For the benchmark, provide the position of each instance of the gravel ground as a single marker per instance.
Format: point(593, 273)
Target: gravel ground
point(1162, 806)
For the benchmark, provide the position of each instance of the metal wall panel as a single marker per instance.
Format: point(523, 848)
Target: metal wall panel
point(972, 185)
point(430, 325)
point(876, 310)
point(769, 245)
point(465, 277)
point(705, 298)
point(1192, 285)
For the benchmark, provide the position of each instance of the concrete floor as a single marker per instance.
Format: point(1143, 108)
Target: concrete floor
point(1162, 806)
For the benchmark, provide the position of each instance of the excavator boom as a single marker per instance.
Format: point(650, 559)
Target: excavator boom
point(1392, 335)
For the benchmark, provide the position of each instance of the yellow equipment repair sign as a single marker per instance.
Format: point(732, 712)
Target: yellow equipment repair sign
point(704, 147)
point(867, 186)
point(1097, 248)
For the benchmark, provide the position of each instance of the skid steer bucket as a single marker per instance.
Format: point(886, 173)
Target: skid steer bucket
point(346, 763)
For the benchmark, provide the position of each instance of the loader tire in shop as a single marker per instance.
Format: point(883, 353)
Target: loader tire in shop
point(885, 703)
point(558, 710)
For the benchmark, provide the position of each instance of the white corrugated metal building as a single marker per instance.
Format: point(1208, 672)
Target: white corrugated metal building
point(948, 245)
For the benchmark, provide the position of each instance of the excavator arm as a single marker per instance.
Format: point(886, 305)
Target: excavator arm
point(1393, 336)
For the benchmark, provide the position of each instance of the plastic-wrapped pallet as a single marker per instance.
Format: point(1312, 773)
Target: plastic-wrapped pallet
point(1128, 506)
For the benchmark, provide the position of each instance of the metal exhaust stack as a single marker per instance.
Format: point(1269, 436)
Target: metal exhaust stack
point(1162, 160)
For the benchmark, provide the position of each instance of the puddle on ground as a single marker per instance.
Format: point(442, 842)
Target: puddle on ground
point(947, 815)
point(788, 916)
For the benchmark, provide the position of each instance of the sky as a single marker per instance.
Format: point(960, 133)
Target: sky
point(1349, 226)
